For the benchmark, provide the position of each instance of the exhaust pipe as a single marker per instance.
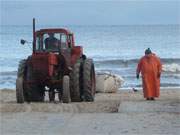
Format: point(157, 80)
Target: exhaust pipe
point(34, 36)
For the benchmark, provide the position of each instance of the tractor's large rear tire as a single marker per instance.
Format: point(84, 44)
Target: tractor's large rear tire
point(19, 90)
point(21, 68)
point(75, 80)
point(89, 81)
point(20, 95)
point(66, 97)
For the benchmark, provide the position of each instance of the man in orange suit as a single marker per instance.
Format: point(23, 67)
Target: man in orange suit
point(150, 68)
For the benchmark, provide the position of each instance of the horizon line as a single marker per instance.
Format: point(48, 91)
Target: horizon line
point(89, 24)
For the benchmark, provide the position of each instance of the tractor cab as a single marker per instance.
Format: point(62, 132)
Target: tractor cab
point(53, 40)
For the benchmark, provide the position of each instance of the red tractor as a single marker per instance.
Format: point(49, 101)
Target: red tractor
point(56, 66)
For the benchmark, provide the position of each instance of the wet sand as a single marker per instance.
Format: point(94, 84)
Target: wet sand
point(125, 112)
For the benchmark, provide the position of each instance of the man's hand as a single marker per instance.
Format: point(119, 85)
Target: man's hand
point(137, 76)
point(158, 75)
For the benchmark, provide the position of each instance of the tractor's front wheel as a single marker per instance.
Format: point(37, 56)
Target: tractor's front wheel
point(66, 97)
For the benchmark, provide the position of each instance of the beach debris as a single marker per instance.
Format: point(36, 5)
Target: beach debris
point(108, 83)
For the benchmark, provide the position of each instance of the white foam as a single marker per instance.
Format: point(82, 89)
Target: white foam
point(173, 68)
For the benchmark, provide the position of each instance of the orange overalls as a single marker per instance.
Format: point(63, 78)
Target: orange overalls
point(150, 68)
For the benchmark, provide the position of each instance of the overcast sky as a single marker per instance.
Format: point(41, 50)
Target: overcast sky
point(74, 12)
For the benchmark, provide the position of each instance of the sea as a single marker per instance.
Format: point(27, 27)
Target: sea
point(115, 49)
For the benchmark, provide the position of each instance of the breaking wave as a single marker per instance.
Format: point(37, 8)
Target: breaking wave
point(124, 68)
point(135, 61)
point(171, 68)
point(6, 73)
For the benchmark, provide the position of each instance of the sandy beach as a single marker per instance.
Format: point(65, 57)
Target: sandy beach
point(125, 112)
point(76, 48)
